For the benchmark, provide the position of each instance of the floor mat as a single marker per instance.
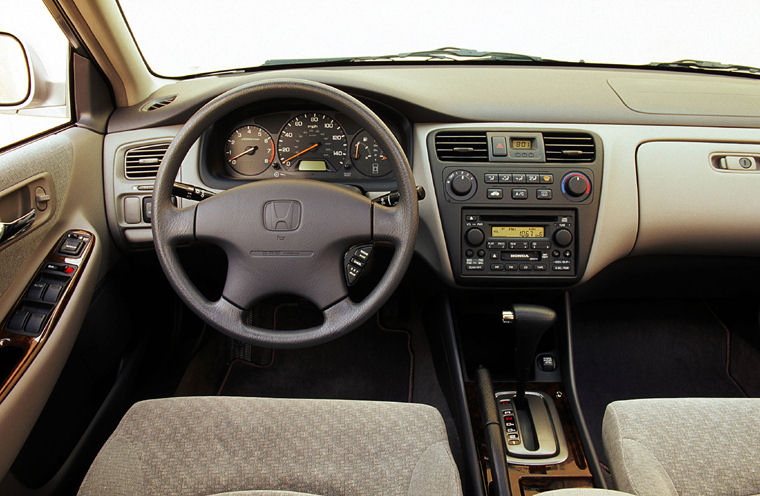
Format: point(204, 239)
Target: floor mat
point(647, 349)
point(370, 363)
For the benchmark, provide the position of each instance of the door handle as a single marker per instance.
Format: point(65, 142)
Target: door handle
point(9, 230)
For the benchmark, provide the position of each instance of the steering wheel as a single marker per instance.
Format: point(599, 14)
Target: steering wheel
point(284, 236)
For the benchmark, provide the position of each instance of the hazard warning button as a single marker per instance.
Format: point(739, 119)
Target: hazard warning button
point(499, 146)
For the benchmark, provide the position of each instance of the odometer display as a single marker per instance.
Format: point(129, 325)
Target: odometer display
point(313, 137)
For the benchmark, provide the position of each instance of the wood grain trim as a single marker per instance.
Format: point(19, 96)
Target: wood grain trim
point(527, 480)
point(30, 346)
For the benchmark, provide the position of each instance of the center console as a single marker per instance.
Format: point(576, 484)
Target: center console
point(517, 206)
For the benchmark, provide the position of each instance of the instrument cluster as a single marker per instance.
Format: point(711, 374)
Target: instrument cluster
point(308, 144)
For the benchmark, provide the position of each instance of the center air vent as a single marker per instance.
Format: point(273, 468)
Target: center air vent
point(142, 162)
point(462, 146)
point(158, 103)
point(569, 147)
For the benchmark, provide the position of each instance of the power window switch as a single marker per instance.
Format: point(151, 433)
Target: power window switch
point(35, 323)
point(53, 293)
point(18, 321)
point(36, 290)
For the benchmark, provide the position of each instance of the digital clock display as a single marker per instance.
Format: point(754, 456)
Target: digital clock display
point(522, 143)
point(517, 232)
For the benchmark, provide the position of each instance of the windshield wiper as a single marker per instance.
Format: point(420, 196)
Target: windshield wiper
point(707, 65)
point(440, 54)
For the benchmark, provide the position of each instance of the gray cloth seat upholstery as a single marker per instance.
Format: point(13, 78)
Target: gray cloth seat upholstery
point(275, 447)
point(687, 446)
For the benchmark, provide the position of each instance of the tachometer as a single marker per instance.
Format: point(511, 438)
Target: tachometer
point(313, 142)
point(249, 150)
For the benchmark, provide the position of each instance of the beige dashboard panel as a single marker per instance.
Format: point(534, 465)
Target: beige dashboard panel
point(703, 96)
point(687, 206)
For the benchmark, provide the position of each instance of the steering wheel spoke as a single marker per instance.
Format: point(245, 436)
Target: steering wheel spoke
point(179, 225)
point(387, 224)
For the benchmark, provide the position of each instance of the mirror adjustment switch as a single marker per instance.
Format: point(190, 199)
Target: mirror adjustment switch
point(71, 247)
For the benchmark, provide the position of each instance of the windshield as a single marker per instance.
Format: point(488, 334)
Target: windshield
point(179, 38)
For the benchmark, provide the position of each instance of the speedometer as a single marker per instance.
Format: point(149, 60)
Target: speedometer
point(313, 142)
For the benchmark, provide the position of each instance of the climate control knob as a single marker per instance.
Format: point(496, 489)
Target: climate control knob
point(461, 185)
point(475, 236)
point(576, 185)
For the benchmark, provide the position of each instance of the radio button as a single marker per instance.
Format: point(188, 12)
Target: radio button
point(497, 266)
point(505, 178)
point(494, 255)
point(540, 267)
point(510, 267)
point(519, 194)
point(491, 178)
point(525, 267)
point(470, 253)
point(481, 253)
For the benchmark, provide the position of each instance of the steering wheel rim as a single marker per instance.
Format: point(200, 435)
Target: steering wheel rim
point(173, 226)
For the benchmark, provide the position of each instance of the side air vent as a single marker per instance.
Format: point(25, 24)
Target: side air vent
point(569, 147)
point(157, 104)
point(142, 162)
point(462, 146)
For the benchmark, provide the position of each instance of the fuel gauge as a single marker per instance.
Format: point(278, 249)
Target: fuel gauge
point(368, 157)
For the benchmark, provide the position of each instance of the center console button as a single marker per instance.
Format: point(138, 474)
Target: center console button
point(505, 178)
point(495, 193)
point(519, 194)
point(518, 178)
point(491, 178)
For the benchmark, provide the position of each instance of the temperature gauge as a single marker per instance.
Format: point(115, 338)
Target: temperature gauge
point(368, 157)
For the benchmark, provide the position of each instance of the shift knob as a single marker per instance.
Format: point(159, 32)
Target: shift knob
point(529, 323)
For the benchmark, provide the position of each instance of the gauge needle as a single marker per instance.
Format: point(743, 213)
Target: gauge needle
point(249, 150)
point(356, 155)
point(301, 152)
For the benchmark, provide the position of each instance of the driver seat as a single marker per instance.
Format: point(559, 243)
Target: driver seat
point(272, 447)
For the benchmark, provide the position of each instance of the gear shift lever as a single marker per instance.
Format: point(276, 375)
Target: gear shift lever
point(529, 323)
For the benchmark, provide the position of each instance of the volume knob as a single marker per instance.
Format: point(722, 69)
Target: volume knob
point(475, 236)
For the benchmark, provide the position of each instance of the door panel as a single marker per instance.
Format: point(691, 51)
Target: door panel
point(71, 160)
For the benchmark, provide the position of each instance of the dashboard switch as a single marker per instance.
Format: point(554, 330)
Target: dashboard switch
point(18, 321)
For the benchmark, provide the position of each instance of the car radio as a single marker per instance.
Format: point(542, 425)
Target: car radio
point(503, 243)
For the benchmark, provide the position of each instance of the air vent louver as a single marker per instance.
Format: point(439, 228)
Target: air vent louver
point(569, 147)
point(142, 162)
point(462, 146)
point(159, 103)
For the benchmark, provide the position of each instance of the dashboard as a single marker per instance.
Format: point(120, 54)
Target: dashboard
point(505, 207)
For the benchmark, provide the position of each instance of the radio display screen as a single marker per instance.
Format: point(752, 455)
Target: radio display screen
point(517, 232)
